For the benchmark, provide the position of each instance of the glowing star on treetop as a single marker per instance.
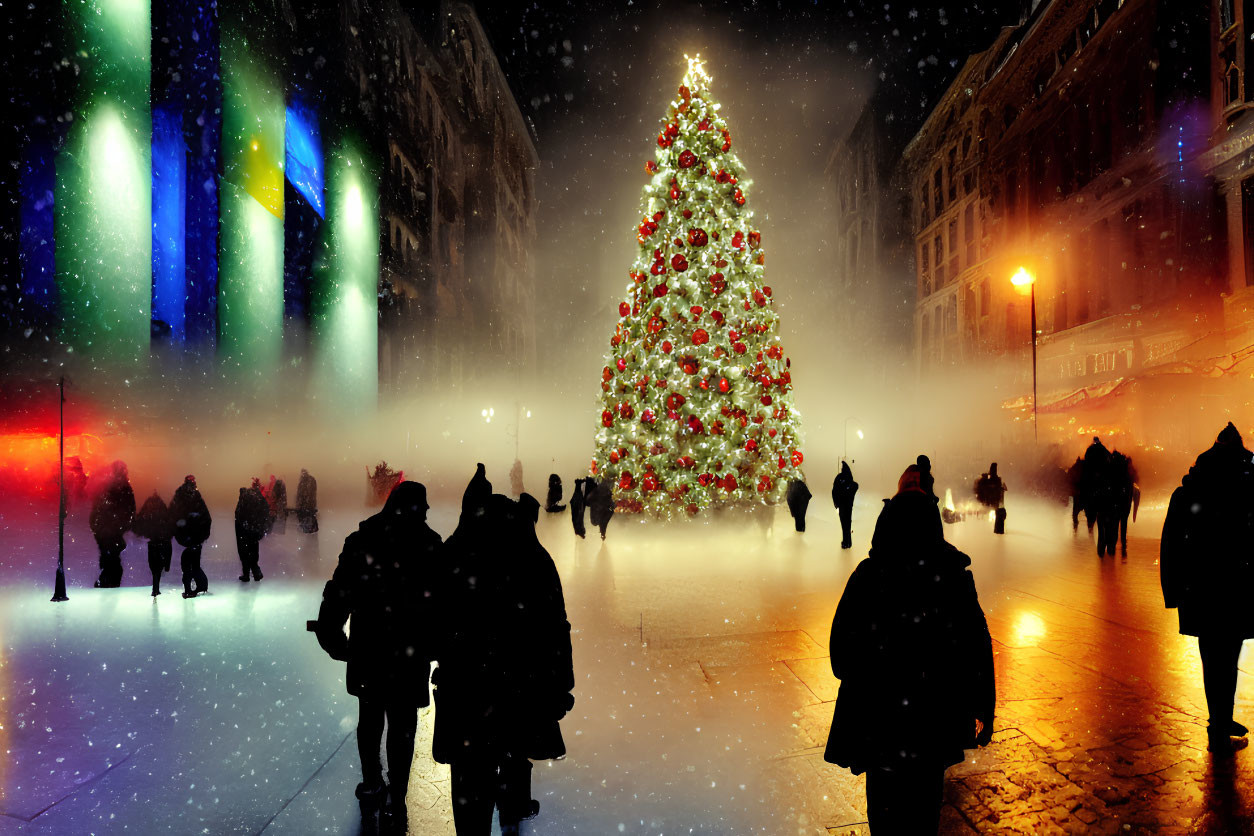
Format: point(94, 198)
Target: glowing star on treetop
point(696, 393)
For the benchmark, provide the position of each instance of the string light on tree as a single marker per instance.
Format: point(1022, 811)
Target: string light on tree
point(696, 393)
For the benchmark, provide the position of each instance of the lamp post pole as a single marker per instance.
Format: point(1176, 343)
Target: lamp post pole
point(1036, 435)
point(58, 593)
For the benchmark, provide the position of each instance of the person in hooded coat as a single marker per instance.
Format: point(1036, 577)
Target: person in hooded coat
point(576, 507)
point(156, 524)
point(1207, 572)
point(112, 513)
point(383, 587)
point(798, 499)
point(552, 501)
point(844, 489)
point(601, 502)
point(1076, 482)
point(252, 518)
point(307, 502)
point(911, 648)
point(192, 525)
point(505, 675)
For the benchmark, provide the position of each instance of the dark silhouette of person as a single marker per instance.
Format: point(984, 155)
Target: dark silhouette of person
point(843, 491)
point(1075, 480)
point(990, 491)
point(383, 587)
point(1207, 574)
point(505, 674)
point(552, 501)
point(154, 522)
point(307, 502)
point(577, 502)
point(192, 525)
point(1093, 480)
point(601, 502)
point(75, 481)
point(913, 654)
point(252, 516)
point(112, 513)
point(798, 499)
point(926, 480)
point(277, 499)
point(1124, 494)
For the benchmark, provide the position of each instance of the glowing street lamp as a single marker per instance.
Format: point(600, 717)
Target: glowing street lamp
point(1021, 279)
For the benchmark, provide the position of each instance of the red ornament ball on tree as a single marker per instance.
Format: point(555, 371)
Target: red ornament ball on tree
point(724, 386)
point(700, 337)
point(797, 458)
point(660, 290)
point(607, 418)
point(623, 309)
point(679, 263)
point(666, 346)
point(687, 159)
point(698, 237)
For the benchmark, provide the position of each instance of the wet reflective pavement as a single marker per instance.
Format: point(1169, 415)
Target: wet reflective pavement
point(703, 700)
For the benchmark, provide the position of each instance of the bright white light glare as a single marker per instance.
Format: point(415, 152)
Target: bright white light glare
point(484, 413)
point(860, 435)
point(492, 412)
point(528, 413)
point(353, 210)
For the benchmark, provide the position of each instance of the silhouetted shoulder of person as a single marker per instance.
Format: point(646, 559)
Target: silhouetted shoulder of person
point(252, 513)
point(911, 647)
point(602, 503)
point(844, 488)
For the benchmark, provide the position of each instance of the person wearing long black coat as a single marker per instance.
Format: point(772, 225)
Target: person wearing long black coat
point(252, 519)
point(990, 490)
point(383, 587)
point(913, 654)
point(798, 499)
point(1093, 480)
point(505, 672)
point(155, 523)
point(577, 503)
point(844, 489)
point(307, 502)
point(552, 503)
point(1076, 482)
point(601, 502)
point(1207, 572)
point(112, 513)
point(192, 525)
point(278, 506)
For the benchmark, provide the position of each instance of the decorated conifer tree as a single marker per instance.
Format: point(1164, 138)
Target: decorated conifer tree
point(696, 393)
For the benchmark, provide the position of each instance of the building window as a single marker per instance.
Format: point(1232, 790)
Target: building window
point(953, 175)
point(968, 233)
point(938, 195)
point(938, 259)
point(1225, 14)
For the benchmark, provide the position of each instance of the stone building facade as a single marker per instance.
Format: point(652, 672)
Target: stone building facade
point(1072, 147)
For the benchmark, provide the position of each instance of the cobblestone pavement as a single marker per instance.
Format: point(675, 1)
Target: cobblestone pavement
point(703, 698)
point(1100, 713)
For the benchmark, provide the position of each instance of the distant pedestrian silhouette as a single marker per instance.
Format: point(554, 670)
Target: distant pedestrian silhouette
point(798, 499)
point(192, 525)
point(505, 675)
point(990, 491)
point(307, 502)
point(112, 513)
point(577, 502)
point(383, 588)
point(844, 489)
point(912, 651)
point(252, 518)
point(1208, 575)
point(155, 523)
point(1093, 480)
point(552, 502)
point(601, 502)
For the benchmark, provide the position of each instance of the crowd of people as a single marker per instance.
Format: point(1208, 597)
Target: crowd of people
point(261, 510)
point(486, 607)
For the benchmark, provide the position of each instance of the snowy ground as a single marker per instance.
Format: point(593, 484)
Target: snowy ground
point(704, 689)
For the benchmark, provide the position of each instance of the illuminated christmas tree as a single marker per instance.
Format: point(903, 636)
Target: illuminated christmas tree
point(697, 406)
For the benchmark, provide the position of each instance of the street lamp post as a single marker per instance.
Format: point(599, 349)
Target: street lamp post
point(1020, 279)
point(58, 592)
point(845, 454)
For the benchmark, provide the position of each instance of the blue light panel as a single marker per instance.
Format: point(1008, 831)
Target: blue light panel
point(304, 155)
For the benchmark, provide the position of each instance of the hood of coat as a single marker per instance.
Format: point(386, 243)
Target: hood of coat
point(908, 534)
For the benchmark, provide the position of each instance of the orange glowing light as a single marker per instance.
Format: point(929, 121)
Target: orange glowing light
point(1023, 280)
